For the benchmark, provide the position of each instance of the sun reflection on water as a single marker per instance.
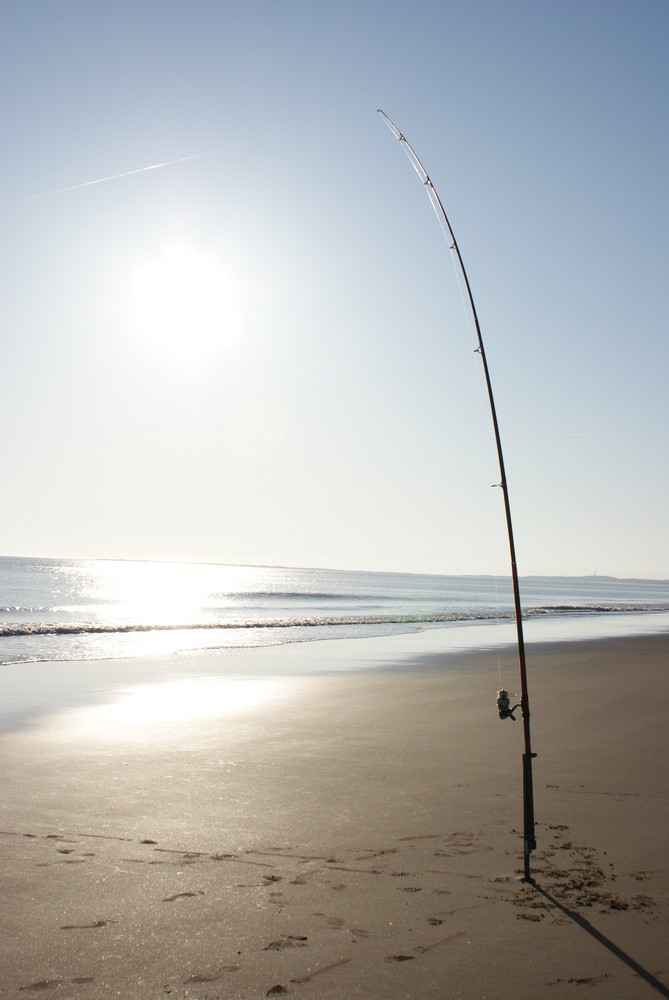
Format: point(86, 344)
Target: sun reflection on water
point(168, 593)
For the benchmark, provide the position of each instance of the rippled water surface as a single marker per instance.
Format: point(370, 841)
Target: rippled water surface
point(73, 610)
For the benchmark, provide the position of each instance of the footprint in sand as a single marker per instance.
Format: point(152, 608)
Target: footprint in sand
point(378, 853)
point(288, 941)
point(86, 927)
point(334, 922)
point(43, 984)
point(182, 895)
point(422, 836)
point(203, 978)
point(586, 981)
point(320, 970)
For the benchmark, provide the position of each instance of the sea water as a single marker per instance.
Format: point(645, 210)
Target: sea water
point(69, 610)
point(121, 644)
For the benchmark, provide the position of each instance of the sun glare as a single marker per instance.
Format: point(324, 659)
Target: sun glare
point(165, 593)
point(185, 302)
point(166, 708)
point(185, 700)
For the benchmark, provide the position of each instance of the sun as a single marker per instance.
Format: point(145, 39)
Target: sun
point(185, 302)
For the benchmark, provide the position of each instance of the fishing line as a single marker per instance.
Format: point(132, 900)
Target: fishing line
point(437, 208)
point(503, 703)
point(463, 302)
point(499, 650)
point(472, 332)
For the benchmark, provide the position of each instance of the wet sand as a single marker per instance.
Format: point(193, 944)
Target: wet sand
point(346, 835)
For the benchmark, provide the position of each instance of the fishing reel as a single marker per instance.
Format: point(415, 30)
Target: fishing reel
point(503, 705)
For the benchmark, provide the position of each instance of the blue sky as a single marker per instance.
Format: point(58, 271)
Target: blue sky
point(260, 354)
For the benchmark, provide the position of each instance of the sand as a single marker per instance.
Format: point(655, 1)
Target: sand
point(346, 835)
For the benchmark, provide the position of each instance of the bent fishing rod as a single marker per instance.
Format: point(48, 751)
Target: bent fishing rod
point(529, 840)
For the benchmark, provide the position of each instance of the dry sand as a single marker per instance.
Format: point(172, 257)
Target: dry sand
point(348, 836)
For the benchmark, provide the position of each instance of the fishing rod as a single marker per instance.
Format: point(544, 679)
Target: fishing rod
point(503, 703)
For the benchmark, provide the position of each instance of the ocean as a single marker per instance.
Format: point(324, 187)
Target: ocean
point(69, 610)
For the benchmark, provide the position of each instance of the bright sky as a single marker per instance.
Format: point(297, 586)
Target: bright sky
point(256, 351)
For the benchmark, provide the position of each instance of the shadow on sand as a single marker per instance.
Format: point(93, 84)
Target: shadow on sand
point(603, 940)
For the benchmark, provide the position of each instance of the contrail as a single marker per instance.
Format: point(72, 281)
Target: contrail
point(114, 177)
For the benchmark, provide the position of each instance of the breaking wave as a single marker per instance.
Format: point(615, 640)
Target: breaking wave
point(36, 629)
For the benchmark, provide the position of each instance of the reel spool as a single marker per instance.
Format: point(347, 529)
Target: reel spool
point(503, 705)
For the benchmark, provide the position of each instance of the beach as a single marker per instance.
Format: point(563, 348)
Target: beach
point(344, 833)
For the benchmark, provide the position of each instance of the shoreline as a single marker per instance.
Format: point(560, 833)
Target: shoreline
point(347, 834)
point(32, 691)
